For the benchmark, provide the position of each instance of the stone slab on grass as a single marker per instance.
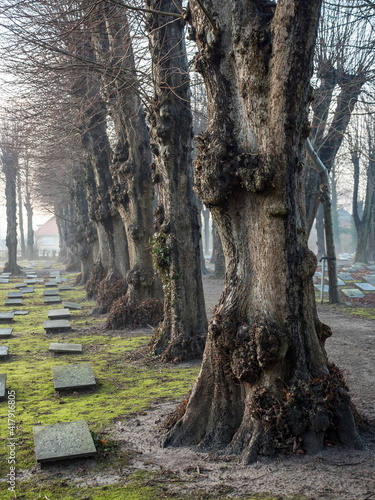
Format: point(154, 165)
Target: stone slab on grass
point(4, 281)
point(6, 317)
point(63, 441)
point(55, 299)
point(72, 305)
point(353, 292)
point(367, 287)
point(15, 295)
point(5, 333)
point(64, 288)
point(4, 351)
point(13, 302)
point(346, 276)
point(3, 381)
point(20, 313)
point(370, 278)
point(59, 348)
point(50, 284)
point(29, 282)
point(74, 376)
point(56, 325)
point(49, 293)
point(319, 287)
point(59, 314)
point(27, 289)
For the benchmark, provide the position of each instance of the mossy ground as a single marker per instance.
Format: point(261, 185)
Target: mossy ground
point(128, 382)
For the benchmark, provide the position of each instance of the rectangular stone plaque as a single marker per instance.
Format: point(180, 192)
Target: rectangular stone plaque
point(370, 278)
point(55, 299)
point(31, 276)
point(345, 276)
point(3, 381)
point(21, 313)
point(367, 287)
point(6, 275)
point(50, 284)
point(15, 295)
point(319, 287)
point(27, 289)
point(59, 314)
point(4, 281)
point(56, 325)
point(50, 293)
point(13, 302)
point(72, 305)
point(64, 288)
point(4, 351)
point(340, 282)
point(29, 282)
point(5, 333)
point(6, 317)
point(53, 274)
point(74, 376)
point(63, 441)
point(57, 348)
point(353, 292)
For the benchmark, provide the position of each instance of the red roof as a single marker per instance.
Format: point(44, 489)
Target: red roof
point(48, 229)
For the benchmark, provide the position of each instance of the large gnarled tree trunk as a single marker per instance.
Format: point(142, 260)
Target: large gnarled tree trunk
point(265, 382)
point(176, 243)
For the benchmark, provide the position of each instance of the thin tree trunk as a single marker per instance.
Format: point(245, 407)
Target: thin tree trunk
point(319, 224)
point(20, 215)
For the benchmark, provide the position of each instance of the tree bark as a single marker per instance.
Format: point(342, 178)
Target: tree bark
point(265, 383)
point(176, 242)
point(10, 167)
point(29, 215)
point(320, 240)
point(20, 216)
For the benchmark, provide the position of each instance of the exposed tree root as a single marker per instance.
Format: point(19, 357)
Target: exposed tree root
point(126, 313)
point(107, 293)
point(173, 347)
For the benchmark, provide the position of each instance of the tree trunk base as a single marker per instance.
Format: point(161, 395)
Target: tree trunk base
point(175, 348)
point(128, 313)
point(14, 269)
point(298, 419)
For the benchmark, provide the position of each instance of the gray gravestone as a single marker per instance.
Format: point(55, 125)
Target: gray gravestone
point(13, 302)
point(50, 284)
point(4, 281)
point(29, 282)
point(367, 287)
point(56, 325)
point(58, 348)
point(6, 317)
point(74, 376)
point(15, 295)
point(6, 275)
point(20, 313)
point(3, 381)
point(64, 288)
point(346, 276)
point(55, 299)
point(53, 274)
point(59, 314)
point(5, 333)
point(370, 278)
point(62, 441)
point(72, 305)
point(50, 293)
point(352, 292)
point(27, 289)
point(319, 287)
point(4, 351)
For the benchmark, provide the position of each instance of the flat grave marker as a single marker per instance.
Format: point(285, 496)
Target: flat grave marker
point(74, 376)
point(27, 289)
point(15, 295)
point(6, 275)
point(50, 283)
point(4, 351)
point(72, 305)
point(29, 282)
point(367, 287)
point(56, 325)
point(13, 302)
point(55, 299)
point(6, 317)
point(319, 287)
point(4, 281)
point(5, 333)
point(370, 278)
point(64, 288)
point(59, 314)
point(63, 441)
point(59, 348)
point(50, 293)
point(3, 381)
point(20, 313)
point(353, 292)
point(345, 276)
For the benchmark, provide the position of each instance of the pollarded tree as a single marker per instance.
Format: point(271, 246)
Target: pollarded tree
point(265, 382)
point(176, 242)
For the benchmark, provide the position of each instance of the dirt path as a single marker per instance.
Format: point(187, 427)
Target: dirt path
point(336, 473)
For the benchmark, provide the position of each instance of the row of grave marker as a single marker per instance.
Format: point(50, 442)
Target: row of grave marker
point(61, 440)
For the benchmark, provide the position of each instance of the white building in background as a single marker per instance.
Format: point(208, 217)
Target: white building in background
point(46, 237)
